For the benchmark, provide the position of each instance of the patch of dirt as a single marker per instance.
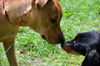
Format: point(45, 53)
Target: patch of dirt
point(35, 62)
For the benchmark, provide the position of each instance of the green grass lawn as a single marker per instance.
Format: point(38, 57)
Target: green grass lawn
point(31, 50)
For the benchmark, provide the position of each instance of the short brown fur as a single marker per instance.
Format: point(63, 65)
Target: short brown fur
point(33, 13)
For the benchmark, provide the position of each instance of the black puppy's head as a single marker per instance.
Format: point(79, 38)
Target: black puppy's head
point(82, 42)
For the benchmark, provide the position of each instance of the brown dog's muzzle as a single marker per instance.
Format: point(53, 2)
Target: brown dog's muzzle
point(54, 38)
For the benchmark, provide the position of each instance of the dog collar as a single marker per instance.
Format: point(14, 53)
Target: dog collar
point(3, 2)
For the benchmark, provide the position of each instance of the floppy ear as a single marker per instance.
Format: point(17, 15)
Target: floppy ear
point(41, 3)
point(17, 9)
point(92, 59)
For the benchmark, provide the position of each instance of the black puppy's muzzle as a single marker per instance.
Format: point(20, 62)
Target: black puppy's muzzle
point(66, 44)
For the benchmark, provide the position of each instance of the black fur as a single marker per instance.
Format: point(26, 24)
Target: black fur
point(87, 44)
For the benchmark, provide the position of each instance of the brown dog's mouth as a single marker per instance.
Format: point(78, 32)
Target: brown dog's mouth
point(53, 40)
point(43, 36)
point(49, 40)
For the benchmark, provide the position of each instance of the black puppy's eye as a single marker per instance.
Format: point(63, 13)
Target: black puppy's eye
point(53, 20)
point(74, 41)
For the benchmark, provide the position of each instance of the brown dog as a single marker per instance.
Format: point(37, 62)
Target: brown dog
point(43, 16)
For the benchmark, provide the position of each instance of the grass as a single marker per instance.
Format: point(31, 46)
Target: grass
point(31, 50)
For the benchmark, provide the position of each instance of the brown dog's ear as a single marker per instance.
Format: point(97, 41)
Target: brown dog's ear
point(41, 3)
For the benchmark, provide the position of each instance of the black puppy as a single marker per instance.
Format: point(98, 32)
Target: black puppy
point(87, 44)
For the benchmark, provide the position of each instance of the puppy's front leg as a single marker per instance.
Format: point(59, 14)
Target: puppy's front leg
point(92, 58)
point(10, 51)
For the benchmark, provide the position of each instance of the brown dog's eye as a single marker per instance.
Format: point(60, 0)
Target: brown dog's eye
point(53, 20)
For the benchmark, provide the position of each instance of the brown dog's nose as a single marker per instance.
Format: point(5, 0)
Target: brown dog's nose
point(61, 40)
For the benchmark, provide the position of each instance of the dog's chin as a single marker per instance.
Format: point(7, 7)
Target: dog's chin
point(51, 42)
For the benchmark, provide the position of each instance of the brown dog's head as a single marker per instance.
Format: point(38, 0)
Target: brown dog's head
point(43, 16)
point(45, 19)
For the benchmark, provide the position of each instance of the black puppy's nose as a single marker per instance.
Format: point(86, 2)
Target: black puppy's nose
point(61, 40)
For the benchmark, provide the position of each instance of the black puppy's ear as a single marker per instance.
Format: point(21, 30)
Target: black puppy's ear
point(92, 59)
point(83, 34)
